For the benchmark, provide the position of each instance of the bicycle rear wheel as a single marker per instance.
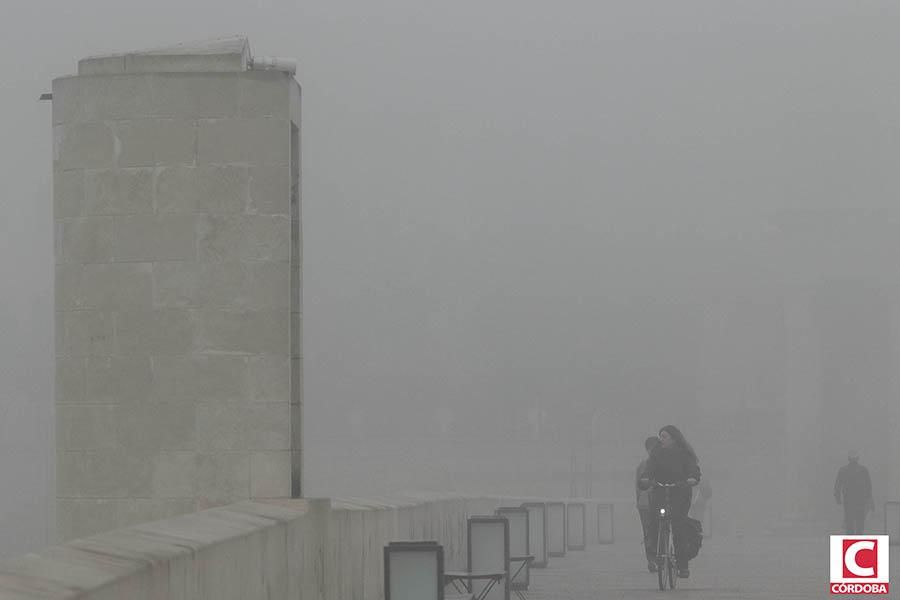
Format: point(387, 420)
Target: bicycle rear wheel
point(672, 574)
point(662, 548)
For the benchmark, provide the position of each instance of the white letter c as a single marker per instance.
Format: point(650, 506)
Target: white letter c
point(850, 558)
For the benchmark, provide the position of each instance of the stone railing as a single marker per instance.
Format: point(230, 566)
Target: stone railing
point(322, 549)
point(269, 550)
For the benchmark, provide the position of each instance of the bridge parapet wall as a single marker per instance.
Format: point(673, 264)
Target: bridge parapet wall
point(310, 549)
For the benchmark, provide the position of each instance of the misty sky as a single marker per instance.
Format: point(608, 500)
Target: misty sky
point(501, 200)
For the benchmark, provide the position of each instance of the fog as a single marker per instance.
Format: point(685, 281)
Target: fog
point(533, 235)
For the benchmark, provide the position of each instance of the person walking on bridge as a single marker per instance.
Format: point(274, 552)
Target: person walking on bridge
point(643, 505)
point(853, 489)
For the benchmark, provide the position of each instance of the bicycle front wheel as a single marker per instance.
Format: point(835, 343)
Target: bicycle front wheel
point(662, 571)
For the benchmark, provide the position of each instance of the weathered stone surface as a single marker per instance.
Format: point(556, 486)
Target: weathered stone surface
point(66, 103)
point(117, 286)
point(295, 103)
point(296, 288)
point(154, 238)
point(82, 517)
point(174, 474)
point(175, 281)
point(270, 379)
point(70, 380)
point(175, 63)
point(296, 335)
point(234, 238)
point(270, 474)
point(68, 194)
point(297, 486)
point(230, 53)
point(244, 332)
point(230, 426)
point(225, 189)
point(270, 190)
point(297, 382)
point(232, 285)
point(155, 142)
point(146, 510)
point(183, 96)
point(222, 477)
point(251, 141)
point(102, 65)
point(265, 94)
point(202, 378)
point(87, 240)
point(118, 98)
point(149, 427)
point(210, 189)
point(297, 426)
point(118, 192)
point(179, 284)
point(85, 333)
point(268, 286)
point(86, 146)
point(154, 332)
point(106, 473)
point(86, 427)
point(192, 95)
point(178, 189)
point(119, 380)
point(68, 286)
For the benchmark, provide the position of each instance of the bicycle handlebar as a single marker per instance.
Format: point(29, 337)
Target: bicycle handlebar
point(670, 485)
point(645, 483)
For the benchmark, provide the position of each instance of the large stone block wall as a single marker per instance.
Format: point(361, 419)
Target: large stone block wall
point(178, 349)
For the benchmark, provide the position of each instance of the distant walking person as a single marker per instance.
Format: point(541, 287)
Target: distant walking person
point(643, 505)
point(853, 489)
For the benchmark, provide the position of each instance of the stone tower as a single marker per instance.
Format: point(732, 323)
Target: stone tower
point(178, 284)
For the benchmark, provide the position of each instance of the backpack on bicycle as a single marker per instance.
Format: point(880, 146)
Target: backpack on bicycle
point(694, 530)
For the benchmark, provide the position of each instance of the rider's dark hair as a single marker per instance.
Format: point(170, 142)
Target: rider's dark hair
point(651, 442)
point(680, 440)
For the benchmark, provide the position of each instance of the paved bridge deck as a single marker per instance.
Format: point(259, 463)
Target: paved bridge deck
point(769, 568)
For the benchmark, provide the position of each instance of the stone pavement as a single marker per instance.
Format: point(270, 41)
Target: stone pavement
point(770, 568)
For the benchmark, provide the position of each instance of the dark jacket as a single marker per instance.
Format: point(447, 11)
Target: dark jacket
point(672, 464)
point(642, 496)
point(853, 485)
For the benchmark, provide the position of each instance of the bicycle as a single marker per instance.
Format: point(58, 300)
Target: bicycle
point(665, 542)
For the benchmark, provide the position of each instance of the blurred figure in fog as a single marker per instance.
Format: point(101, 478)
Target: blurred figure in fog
point(643, 505)
point(673, 461)
point(853, 489)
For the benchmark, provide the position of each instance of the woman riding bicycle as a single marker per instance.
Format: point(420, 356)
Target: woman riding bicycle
point(674, 461)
